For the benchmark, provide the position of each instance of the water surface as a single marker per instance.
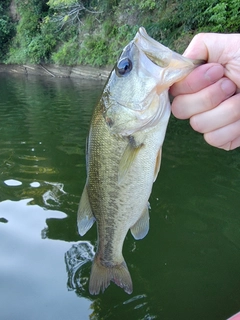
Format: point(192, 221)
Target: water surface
point(186, 268)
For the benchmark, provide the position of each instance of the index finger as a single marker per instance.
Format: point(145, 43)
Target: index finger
point(198, 79)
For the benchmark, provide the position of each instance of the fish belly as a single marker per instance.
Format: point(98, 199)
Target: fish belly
point(118, 204)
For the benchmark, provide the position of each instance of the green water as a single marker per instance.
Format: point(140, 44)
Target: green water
point(186, 268)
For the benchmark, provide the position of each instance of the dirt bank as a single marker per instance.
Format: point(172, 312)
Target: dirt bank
point(84, 72)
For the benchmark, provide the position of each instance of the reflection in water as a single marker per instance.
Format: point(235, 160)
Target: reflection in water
point(75, 258)
point(186, 268)
point(52, 196)
point(78, 260)
point(12, 182)
point(46, 194)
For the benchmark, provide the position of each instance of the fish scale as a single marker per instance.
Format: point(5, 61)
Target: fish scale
point(124, 153)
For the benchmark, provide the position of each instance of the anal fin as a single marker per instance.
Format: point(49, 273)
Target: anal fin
point(140, 229)
point(85, 217)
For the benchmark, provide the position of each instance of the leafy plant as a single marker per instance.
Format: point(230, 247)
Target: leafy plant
point(34, 40)
point(224, 16)
point(94, 32)
point(7, 29)
point(67, 54)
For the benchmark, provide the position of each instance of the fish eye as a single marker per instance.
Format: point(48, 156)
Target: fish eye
point(123, 67)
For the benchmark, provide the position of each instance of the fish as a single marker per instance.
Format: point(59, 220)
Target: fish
point(124, 149)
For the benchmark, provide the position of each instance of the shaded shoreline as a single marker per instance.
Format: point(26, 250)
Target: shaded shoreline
point(80, 72)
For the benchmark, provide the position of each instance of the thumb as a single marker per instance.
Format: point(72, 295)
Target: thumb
point(218, 48)
point(209, 46)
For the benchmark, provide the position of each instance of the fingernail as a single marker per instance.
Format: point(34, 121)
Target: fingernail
point(214, 73)
point(228, 87)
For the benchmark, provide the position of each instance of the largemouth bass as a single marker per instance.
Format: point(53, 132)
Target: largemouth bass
point(124, 153)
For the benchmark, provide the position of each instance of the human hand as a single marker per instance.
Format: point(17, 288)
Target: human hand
point(206, 95)
point(235, 317)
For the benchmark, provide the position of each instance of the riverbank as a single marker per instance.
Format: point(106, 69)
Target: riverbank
point(80, 72)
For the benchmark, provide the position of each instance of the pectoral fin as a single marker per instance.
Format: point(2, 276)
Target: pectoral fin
point(128, 157)
point(85, 217)
point(140, 229)
point(157, 164)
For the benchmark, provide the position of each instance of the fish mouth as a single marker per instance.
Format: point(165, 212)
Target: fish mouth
point(161, 55)
point(156, 52)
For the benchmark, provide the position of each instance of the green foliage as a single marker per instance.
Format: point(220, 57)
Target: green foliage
point(106, 45)
point(145, 4)
point(178, 18)
point(224, 16)
point(119, 37)
point(40, 47)
point(66, 12)
point(7, 30)
point(104, 5)
point(34, 40)
point(57, 3)
point(90, 52)
point(71, 32)
point(67, 54)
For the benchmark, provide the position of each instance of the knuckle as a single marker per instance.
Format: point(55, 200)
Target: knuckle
point(177, 109)
point(212, 99)
point(210, 139)
point(234, 109)
point(214, 95)
point(196, 124)
point(199, 37)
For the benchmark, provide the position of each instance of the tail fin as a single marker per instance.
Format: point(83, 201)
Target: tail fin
point(101, 276)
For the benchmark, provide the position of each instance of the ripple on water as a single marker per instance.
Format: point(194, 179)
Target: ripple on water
point(13, 183)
